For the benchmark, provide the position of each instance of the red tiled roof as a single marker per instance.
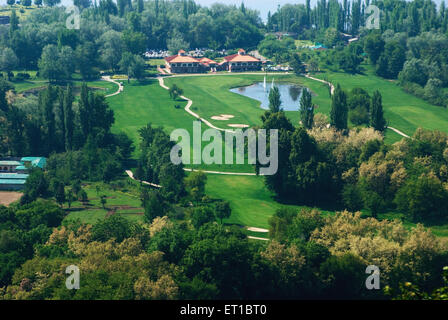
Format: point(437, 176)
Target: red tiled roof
point(241, 58)
point(181, 59)
point(207, 61)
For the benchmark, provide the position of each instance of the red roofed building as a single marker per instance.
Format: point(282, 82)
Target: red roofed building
point(209, 64)
point(181, 63)
point(240, 62)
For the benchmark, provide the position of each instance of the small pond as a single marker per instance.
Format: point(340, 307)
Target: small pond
point(290, 94)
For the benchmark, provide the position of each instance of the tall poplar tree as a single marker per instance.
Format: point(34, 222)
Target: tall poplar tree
point(306, 109)
point(274, 99)
point(377, 120)
point(69, 118)
point(84, 110)
point(339, 109)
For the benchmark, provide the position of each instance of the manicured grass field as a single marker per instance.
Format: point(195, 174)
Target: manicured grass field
point(251, 202)
point(146, 102)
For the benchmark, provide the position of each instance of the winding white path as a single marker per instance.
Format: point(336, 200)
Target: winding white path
point(253, 229)
point(131, 175)
point(323, 81)
point(120, 86)
point(188, 106)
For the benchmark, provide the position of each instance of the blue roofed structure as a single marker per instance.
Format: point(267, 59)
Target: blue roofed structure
point(34, 161)
point(12, 181)
point(13, 173)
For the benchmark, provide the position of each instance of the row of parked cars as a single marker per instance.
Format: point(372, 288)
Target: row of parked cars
point(278, 68)
point(197, 53)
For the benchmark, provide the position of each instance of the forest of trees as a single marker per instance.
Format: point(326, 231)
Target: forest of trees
point(309, 257)
point(183, 250)
point(112, 34)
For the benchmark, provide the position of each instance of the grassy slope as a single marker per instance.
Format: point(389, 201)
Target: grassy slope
point(33, 84)
point(251, 202)
point(146, 102)
point(94, 211)
point(402, 110)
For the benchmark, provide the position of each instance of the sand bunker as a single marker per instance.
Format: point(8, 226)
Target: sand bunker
point(223, 117)
point(238, 125)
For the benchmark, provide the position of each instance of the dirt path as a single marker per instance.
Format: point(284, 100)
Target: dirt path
point(8, 197)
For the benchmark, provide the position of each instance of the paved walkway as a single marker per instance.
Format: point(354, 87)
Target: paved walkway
point(323, 81)
point(131, 175)
point(399, 132)
point(120, 86)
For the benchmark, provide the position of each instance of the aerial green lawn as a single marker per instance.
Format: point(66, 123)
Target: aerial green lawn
point(251, 202)
point(146, 102)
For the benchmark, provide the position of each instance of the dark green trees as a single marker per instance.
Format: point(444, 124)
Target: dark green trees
point(339, 109)
point(374, 46)
point(156, 165)
point(69, 121)
point(195, 185)
point(223, 210)
point(358, 102)
point(423, 198)
point(175, 92)
point(297, 65)
point(377, 120)
point(274, 100)
point(94, 113)
point(306, 109)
